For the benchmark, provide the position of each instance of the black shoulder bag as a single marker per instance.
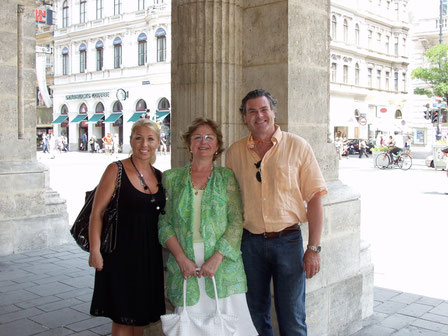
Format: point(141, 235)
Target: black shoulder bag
point(80, 229)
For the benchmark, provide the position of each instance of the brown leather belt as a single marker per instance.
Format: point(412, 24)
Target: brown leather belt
point(285, 231)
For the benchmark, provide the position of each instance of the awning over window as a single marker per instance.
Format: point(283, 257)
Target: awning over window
point(60, 119)
point(162, 115)
point(136, 116)
point(79, 118)
point(113, 117)
point(95, 117)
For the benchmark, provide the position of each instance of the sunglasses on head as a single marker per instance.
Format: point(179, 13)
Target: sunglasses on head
point(258, 174)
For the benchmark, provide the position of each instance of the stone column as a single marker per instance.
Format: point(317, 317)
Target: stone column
point(206, 68)
point(32, 216)
point(281, 46)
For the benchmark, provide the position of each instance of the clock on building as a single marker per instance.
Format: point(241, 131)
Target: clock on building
point(121, 94)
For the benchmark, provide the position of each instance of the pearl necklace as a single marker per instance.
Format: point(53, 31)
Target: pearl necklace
point(204, 185)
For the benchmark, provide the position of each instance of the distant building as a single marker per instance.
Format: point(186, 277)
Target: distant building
point(369, 76)
point(112, 64)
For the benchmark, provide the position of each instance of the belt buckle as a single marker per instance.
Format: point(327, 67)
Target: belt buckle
point(265, 234)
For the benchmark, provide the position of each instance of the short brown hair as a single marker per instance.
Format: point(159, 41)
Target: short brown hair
point(199, 121)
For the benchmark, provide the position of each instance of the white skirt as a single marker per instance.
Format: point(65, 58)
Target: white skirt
point(235, 304)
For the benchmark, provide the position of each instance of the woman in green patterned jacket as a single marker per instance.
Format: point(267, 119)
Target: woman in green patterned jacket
point(202, 229)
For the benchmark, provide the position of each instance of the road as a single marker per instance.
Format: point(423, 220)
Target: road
point(403, 214)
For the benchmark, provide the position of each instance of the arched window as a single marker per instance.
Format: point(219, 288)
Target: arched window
point(82, 57)
point(398, 114)
point(117, 52)
point(82, 11)
point(142, 47)
point(83, 108)
point(117, 107)
point(161, 45)
point(99, 55)
point(140, 106)
point(333, 27)
point(356, 74)
point(99, 108)
point(65, 61)
point(164, 104)
point(64, 109)
point(345, 30)
point(65, 14)
point(357, 34)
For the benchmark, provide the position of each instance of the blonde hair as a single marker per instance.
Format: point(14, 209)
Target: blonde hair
point(149, 124)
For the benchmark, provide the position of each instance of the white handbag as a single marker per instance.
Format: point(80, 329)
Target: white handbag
point(193, 324)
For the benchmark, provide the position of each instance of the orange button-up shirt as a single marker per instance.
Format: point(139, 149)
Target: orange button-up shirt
point(290, 178)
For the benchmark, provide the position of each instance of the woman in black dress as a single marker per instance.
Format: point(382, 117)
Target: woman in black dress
point(129, 281)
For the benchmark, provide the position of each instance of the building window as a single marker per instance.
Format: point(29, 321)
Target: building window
point(161, 45)
point(386, 45)
point(117, 52)
point(397, 10)
point(65, 61)
point(378, 41)
point(345, 31)
point(345, 72)
point(333, 27)
point(82, 11)
point(369, 39)
point(396, 46)
point(117, 7)
point(357, 34)
point(140, 106)
point(83, 108)
point(99, 9)
point(142, 49)
point(65, 14)
point(403, 50)
point(333, 72)
point(388, 4)
point(404, 81)
point(398, 114)
point(396, 81)
point(387, 79)
point(141, 4)
point(64, 109)
point(117, 107)
point(369, 77)
point(99, 108)
point(378, 79)
point(356, 74)
point(82, 58)
point(99, 55)
point(164, 104)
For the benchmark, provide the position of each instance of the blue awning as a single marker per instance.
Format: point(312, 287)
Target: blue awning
point(162, 115)
point(136, 116)
point(79, 118)
point(95, 118)
point(113, 117)
point(60, 119)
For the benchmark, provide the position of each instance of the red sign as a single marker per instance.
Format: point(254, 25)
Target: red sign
point(44, 16)
point(383, 110)
point(362, 121)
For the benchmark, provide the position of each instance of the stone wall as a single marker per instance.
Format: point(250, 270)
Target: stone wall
point(32, 216)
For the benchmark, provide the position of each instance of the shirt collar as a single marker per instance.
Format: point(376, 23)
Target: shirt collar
point(276, 137)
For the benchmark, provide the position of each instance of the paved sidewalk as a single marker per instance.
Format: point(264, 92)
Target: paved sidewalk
point(48, 293)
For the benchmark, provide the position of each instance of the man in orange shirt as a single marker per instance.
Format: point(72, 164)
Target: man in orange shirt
point(277, 174)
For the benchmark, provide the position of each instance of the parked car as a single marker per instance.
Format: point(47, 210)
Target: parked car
point(429, 161)
point(353, 146)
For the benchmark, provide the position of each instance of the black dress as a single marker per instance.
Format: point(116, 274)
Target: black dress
point(130, 288)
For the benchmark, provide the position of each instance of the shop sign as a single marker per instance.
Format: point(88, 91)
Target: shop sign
point(87, 95)
point(383, 110)
point(362, 121)
point(44, 16)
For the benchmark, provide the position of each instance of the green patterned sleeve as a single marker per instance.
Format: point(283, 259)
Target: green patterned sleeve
point(230, 243)
point(166, 231)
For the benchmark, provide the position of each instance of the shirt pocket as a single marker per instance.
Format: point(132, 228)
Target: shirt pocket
point(286, 187)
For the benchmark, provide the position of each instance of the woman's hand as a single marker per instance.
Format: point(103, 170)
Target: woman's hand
point(187, 267)
point(210, 267)
point(96, 260)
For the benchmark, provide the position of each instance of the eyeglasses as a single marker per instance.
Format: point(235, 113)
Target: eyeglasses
point(206, 137)
point(258, 174)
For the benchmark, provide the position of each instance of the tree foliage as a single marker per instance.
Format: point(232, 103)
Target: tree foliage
point(435, 73)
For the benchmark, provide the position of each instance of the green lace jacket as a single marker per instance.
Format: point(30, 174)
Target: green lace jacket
point(221, 229)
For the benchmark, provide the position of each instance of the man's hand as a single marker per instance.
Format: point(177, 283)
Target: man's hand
point(311, 263)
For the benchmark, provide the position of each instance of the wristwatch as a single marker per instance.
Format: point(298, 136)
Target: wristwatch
point(316, 248)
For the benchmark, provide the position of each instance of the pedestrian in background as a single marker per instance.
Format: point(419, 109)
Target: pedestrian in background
point(407, 145)
point(129, 286)
point(362, 149)
point(277, 174)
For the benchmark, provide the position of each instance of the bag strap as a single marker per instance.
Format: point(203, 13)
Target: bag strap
point(218, 311)
point(118, 180)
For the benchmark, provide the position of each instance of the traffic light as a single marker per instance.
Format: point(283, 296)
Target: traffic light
point(427, 114)
point(435, 117)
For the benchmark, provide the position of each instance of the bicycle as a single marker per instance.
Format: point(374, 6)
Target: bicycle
point(389, 160)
